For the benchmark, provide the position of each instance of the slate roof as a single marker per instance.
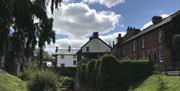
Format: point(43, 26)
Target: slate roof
point(66, 51)
point(152, 27)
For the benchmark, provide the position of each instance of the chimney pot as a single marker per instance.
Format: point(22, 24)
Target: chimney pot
point(69, 49)
point(156, 19)
point(56, 49)
point(95, 35)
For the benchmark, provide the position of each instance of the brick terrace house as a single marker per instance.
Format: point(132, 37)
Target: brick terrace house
point(94, 48)
point(147, 43)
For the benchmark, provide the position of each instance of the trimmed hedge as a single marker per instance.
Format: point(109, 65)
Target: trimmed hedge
point(110, 74)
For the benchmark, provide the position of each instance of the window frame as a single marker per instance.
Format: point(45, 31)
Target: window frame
point(62, 56)
point(87, 49)
point(142, 42)
point(160, 36)
point(74, 62)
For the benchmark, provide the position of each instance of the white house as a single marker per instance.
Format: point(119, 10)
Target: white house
point(94, 48)
point(66, 57)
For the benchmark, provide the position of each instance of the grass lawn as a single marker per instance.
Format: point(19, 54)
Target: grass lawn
point(11, 83)
point(160, 83)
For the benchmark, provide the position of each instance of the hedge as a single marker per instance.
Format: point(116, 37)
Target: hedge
point(110, 74)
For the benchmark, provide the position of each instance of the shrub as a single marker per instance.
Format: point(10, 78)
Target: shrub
point(43, 81)
point(27, 74)
point(89, 72)
point(110, 74)
point(66, 83)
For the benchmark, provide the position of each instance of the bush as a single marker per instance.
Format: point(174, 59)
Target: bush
point(110, 74)
point(66, 83)
point(176, 45)
point(27, 74)
point(43, 81)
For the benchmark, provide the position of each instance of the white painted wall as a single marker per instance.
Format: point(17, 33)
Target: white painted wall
point(96, 45)
point(68, 60)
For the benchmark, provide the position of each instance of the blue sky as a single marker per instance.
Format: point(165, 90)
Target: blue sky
point(75, 21)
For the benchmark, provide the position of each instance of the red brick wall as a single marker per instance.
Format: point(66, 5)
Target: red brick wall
point(151, 47)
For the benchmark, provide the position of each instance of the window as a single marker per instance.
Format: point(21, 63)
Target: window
point(87, 49)
point(62, 65)
point(134, 45)
point(159, 36)
point(124, 50)
point(161, 55)
point(142, 41)
point(62, 56)
point(74, 62)
point(74, 56)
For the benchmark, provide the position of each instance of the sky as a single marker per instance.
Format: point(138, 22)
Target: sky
point(76, 20)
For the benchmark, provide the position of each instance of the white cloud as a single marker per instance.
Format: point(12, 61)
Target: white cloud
point(111, 37)
point(150, 22)
point(77, 19)
point(108, 3)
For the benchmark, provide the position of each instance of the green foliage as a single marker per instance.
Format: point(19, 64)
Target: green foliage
point(159, 83)
point(10, 82)
point(43, 81)
point(110, 74)
point(27, 74)
point(65, 83)
point(176, 45)
point(19, 30)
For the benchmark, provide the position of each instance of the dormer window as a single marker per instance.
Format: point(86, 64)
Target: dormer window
point(87, 49)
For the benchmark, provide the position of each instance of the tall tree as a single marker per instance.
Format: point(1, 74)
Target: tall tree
point(19, 29)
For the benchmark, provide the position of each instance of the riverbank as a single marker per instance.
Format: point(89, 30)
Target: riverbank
point(9, 82)
point(159, 83)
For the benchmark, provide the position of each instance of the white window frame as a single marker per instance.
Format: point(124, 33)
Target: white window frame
point(62, 56)
point(74, 62)
point(124, 50)
point(142, 42)
point(134, 45)
point(74, 56)
point(87, 49)
point(159, 36)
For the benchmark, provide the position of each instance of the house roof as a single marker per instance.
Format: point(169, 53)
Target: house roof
point(66, 51)
point(152, 27)
point(91, 40)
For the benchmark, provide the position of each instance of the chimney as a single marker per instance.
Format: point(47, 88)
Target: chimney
point(56, 49)
point(113, 44)
point(69, 49)
point(133, 30)
point(156, 19)
point(119, 38)
point(95, 35)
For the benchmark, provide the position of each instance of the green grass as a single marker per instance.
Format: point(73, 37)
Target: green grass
point(11, 83)
point(160, 83)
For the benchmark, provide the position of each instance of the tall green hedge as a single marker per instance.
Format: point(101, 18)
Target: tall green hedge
point(110, 74)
